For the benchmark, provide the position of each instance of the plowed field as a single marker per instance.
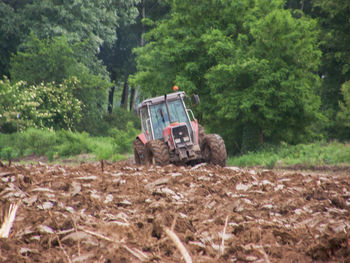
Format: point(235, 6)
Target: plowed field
point(124, 213)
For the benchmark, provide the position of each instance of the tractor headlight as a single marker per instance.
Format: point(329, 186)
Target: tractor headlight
point(186, 139)
point(177, 140)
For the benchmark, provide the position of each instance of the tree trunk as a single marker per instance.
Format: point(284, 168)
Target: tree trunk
point(110, 100)
point(131, 103)
point(261, 137)
point(136, 94)
point(125, 95)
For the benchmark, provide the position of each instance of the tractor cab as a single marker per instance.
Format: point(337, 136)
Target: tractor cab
point(160, 114)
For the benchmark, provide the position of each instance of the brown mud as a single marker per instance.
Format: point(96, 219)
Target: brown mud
point(119, 214)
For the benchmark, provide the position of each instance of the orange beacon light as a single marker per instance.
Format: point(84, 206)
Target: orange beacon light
point(175, 88)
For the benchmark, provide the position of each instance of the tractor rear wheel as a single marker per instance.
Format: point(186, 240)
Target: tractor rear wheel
point(214, 150)
point(157, 153)
point(201, 134)
point(139, 152)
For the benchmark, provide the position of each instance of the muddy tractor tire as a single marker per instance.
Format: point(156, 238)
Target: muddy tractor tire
point(139, 152)
point(214, 150)
point(157, 153)
point(201, 134)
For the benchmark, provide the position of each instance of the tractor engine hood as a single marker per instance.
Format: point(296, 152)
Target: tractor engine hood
point(177, 135)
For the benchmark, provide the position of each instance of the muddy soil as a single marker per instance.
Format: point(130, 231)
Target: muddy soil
point(122, 213)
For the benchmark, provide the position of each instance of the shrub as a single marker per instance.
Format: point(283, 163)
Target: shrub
point(70, 144)
point(123, 140)
point(117, 120)
point(36, 141)
point(56, 144)
point(47, 105)
point(8, 153)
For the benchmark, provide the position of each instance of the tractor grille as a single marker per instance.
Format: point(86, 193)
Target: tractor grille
point(180, 134)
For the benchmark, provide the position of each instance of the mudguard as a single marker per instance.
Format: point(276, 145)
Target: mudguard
point(142, 138)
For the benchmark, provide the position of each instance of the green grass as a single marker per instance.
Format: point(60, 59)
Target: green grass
point(318, 153)
point(66, 145)
point(63, 145)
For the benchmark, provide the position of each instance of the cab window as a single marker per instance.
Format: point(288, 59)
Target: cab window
point(160, 118)
point(144, 117)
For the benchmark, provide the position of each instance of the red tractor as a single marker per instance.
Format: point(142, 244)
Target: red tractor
point(169, 135)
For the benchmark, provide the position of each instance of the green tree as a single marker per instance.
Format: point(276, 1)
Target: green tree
point(91, 22)
point(76, 20)
point(44, 60)
point(335, 69)
point(59, 39)
point(85, 24)
point(119, 58)
point(267, 81)
point(83, 20)
point(10, 35)
point(343, 116)
point(252, 62)
point(55, 60)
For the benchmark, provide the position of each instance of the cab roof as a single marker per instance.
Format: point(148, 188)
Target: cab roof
point(156, 100)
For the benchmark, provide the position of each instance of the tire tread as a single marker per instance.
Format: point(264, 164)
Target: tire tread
point(217, 148)
point(158, 150)
point(139, 151)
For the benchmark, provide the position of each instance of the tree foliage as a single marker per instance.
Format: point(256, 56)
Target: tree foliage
point(335, 39)
point(56, 60)
point(43, 60)
point(119, 58)
point(81, 20)
point(252, 63)
point(335, 69)
point(76, 20)
point(10, 35)
point(59, 39)
point(343, 116)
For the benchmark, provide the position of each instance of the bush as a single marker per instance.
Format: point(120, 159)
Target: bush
point(63, 144)
point(123, 140)
point(117, 120)
point(8, 153)
point(343, 116)
point(70, 144)
point(47, 105)
point(36, 141)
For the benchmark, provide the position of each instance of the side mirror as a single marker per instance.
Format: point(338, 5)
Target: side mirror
point(196, 99)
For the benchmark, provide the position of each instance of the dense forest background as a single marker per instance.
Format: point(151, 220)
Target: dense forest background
point(267, 71)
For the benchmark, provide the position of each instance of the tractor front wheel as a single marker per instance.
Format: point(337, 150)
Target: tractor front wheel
point(157, 153)
point(214, 150)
